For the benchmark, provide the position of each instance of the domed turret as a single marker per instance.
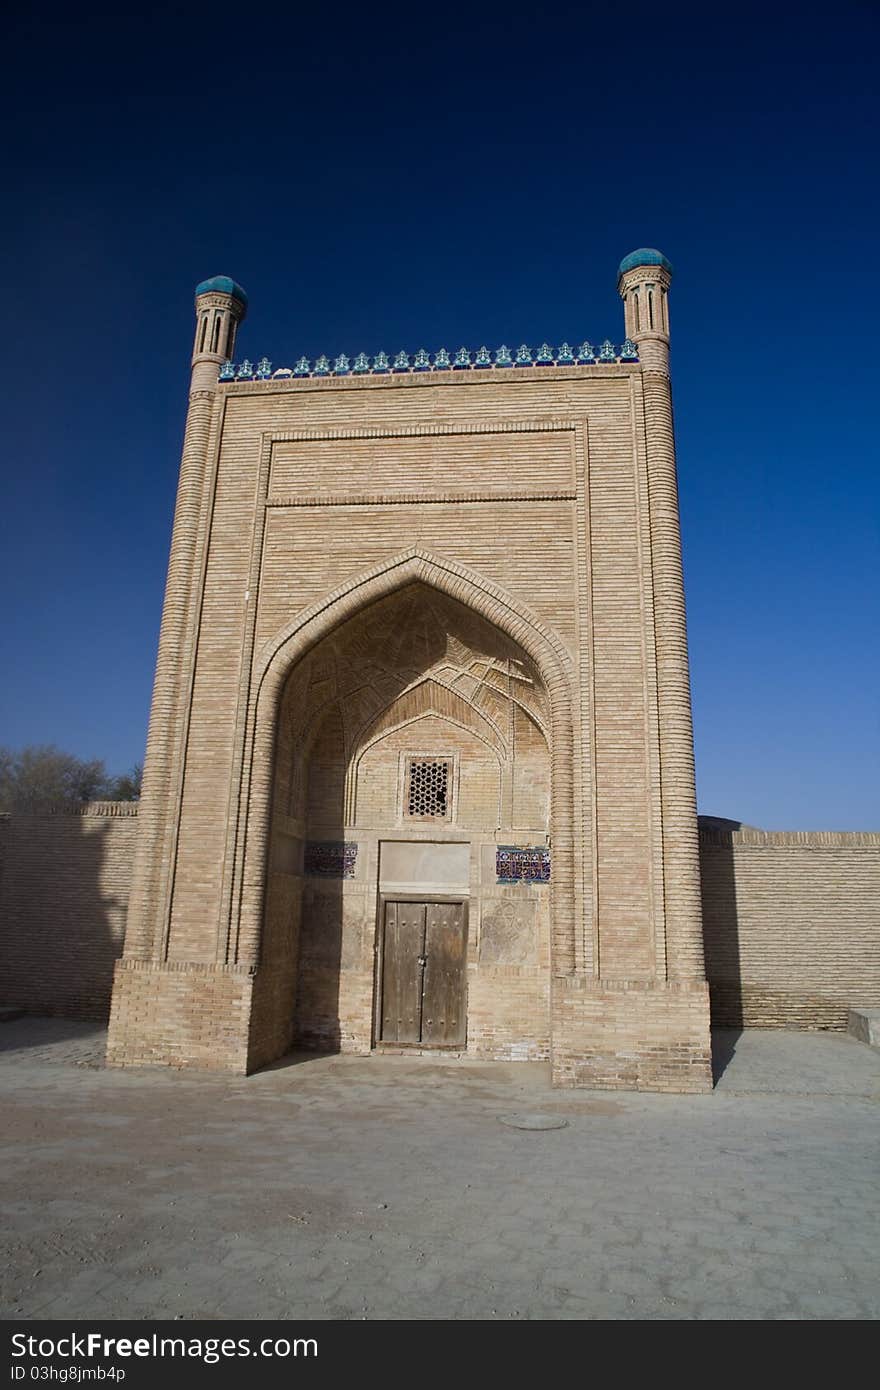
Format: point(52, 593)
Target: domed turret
point(221, 304)
point(643, 282)
point(646, 255)
point(222, 284)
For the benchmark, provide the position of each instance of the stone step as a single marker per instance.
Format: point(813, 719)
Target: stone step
point(864, 1024)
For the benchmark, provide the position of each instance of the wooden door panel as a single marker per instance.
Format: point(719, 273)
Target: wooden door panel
point(443, 1010)
point(402, 972)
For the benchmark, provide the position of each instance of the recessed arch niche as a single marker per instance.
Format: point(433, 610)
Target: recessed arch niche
point(415, 675)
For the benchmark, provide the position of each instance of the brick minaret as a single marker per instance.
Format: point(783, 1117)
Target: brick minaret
point(220, 306)
point(643, 283)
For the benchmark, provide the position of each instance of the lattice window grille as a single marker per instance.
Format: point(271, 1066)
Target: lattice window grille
point(428, 791)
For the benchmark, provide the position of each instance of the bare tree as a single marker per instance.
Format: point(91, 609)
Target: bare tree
point(43, 777)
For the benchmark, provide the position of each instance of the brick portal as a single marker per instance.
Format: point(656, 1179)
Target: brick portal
point(424, 641)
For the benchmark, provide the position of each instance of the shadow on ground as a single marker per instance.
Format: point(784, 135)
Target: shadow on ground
point(61, 1040)
point(724, 1041)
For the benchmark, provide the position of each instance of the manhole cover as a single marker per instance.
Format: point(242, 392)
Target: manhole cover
point(533, 1121)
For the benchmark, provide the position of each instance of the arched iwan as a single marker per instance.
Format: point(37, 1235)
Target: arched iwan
point(278, 657)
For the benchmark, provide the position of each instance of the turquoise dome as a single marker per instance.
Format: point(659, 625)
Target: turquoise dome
point(221, 284)
point(646, 255)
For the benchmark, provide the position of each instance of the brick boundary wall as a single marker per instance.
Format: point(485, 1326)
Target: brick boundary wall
point(64, 883)
point(791, 922)
point(791, 919)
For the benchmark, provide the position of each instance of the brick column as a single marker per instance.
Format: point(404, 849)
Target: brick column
point(644, 289)
point(681, 859)
point(220, 307)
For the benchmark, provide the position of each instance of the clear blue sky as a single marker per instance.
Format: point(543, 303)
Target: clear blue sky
point(387, 177)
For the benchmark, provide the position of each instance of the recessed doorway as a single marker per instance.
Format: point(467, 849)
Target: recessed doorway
point(422, 973)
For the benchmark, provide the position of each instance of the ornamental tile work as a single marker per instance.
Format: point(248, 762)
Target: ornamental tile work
point(522, 864)
point(464, 360)
point(330, 858)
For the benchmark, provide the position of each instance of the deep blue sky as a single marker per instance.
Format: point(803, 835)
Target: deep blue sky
point(389, 176)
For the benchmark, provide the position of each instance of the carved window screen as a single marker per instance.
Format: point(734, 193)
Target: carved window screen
point(428, 789)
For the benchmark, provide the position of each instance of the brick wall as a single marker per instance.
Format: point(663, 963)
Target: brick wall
point(64, 883)
point(792, 925)
point(791, 920)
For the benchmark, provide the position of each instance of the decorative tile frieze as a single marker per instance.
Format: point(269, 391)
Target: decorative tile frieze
point(522, 864)
point(464, 360)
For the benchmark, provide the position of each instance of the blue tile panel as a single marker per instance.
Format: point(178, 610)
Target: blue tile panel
point(522, 864)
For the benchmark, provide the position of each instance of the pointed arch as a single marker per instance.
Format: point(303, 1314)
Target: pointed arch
point(288, 646)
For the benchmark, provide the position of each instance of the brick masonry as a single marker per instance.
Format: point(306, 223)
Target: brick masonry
point(791, 924)
point(516, 531)
point(483, 566)
point(191, 1015)
point(64, 886)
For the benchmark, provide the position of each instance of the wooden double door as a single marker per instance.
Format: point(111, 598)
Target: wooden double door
point(422, 997)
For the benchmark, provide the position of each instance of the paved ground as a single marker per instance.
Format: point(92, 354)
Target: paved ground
point(389, 1188)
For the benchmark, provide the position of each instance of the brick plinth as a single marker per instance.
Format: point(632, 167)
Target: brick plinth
point(631, 1035)
point(180, 1015)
